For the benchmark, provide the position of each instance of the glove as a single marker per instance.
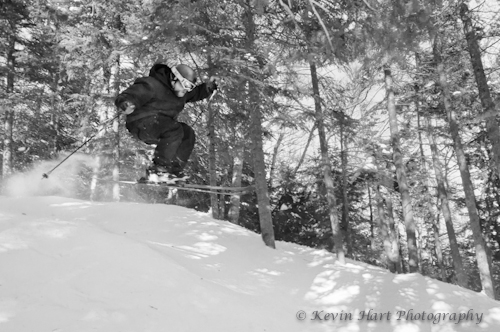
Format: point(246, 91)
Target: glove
point(126, 107)
point(212, 84)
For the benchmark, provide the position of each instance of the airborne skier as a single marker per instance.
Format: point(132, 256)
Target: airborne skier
point(152, 105)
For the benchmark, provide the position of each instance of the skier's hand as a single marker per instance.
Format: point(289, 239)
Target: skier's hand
point(126, 107)
point(213, 83)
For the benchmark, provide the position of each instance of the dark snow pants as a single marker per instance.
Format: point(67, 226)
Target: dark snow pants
point(174, 140)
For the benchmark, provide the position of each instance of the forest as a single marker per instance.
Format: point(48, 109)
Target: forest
point(368, 128)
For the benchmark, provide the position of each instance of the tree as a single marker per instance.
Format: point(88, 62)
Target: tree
point(265, 218)
point(326, 167)
point(489, 113)
point(390, 236)
point(14, 17)
point(401, 174)
point(460, 273)
point(234, 209)
point(344, 150)
point(482, 251)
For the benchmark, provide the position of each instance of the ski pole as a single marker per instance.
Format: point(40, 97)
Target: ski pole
point(46, 175)
point(208, 106)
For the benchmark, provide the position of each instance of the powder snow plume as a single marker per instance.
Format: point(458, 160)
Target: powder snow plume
point(63, 181)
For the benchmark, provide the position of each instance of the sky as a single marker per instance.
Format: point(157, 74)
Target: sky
point(78, 266)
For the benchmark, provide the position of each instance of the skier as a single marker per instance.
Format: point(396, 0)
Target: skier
point(152, 105)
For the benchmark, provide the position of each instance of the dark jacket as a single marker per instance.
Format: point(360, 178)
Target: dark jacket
point(154, 95)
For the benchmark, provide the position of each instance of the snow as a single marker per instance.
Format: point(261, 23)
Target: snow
point(78, 266)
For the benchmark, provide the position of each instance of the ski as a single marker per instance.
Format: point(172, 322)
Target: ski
point(195, 187)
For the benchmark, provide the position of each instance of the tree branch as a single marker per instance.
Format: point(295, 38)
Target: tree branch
point(312, 3)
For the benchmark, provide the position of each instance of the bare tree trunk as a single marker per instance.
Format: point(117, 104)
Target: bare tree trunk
point(212, 162)
point(8, 120)
point(429, 214)
point(54, 123)
point(462, 279)
point(234, 209)
point(222, 207)
point(420, 245)
point(395, 238)
point(212, 151)
point(401, 175)
point(327, 171)
point(482, 251)
point(116, 158)
point(8, 125)
point(95, 177)
point(116, 134)
point(438, 247)
point(372, 222)
point(265, 217)
point(345, 196)
point(102, 109)
point(496, 225)
point(264, 203)
point(489, 108)
point(385, 232)
point(380, 217)
point(394, 254)
point(54, 116)
point(275, 157)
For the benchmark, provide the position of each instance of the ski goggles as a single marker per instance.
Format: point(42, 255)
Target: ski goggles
point(186, 84)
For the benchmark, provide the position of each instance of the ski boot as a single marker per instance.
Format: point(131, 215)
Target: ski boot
point(159, 174)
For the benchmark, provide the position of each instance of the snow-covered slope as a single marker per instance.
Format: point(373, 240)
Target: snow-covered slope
point(71, 265)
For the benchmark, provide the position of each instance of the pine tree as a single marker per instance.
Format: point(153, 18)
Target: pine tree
point(489, 113)
point(482, 251)
point(265, 218)
point(326, 168)
point(401, 174)
point(14, 16)
point(460, 273)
